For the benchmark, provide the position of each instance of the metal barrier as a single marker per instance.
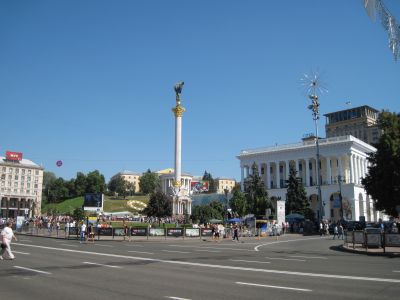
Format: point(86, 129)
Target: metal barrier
point(372, 239)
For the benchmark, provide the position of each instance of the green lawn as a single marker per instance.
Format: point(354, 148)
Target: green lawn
point(110, 205)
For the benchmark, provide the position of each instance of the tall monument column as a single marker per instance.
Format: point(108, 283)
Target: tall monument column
point(178, 110)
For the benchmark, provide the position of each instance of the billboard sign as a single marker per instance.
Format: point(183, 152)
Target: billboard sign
point(14, 156)
point(199, 186)
point(93, 202)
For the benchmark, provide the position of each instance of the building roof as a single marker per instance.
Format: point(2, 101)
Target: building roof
point(126, 172)
point(353, 108)
point(22, 163)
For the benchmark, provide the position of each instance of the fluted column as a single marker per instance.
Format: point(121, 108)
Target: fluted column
point(351, 168)
point(287, 169)
point(328, 171)
point(278, 177)
point(307, 167)
point(242, 178)
point(268, 175)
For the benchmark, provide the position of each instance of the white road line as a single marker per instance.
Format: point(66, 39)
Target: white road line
point(313, 257)
point(396, 271)
point(101, 245)
point(32, 270)
point(218, 248)
point(279, 242)
point(133, 245)
point(140, 252)
point(173, 251)
point(212, 251)
point(23, 253)
point(103, 265)
point(252, 261)
point(212, 266)
point(28, 241)
point(291, 259)
point(69, 245)
point(176, 298)
point(274, 286)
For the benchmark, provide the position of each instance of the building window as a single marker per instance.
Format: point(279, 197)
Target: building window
point(16, 170)
point(15, 184)
point(4, 169)
point(29, 172)
point(23, 171)
point(37, 172)
point(3, 176)
point(16, 177)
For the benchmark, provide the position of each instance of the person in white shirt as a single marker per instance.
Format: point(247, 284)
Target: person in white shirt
point(83, 232)
point(7, 235)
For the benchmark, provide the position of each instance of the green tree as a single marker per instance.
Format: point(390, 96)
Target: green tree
point(382, 182)
point(160, 205)
point(58, 191)
point(296, 197)
point(78, 214)
point(48, 179)
point(238, 202)
point(256, 194)
point(80, 184)
point(204, 213)
point(149, 182)
point(118, 185)
point(130, 188)
point(211, 183)
point(95, 182)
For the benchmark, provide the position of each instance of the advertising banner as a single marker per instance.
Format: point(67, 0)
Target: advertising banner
point(105, 231)
point(192, 232)
point(392, 240)
point(14, 156)
point(359, 237)
point(157, 232)
point(206, 232)
point(373, 239)
point(176, 232)
point(140, 231)
point(119, 232)
point(20, 222)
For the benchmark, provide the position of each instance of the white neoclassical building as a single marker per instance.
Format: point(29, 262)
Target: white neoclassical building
point(343, 157)
point(183, 203)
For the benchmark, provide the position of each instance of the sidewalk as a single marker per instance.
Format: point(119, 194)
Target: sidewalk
point(377, 251)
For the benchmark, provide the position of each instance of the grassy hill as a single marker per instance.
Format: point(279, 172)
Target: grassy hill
point(132, 204)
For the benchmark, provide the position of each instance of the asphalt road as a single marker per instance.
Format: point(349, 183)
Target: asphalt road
point(294, 267)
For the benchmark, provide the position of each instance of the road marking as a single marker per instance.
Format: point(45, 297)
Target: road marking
point(218, 248)
point(291, 259)
point(274, 286)
point(23, 253)
point(28, 241)
point(176, 298)
point(32, 270)
point(313, 257)
point(396, 271)
point(140, 252)
point(173, 251)
point(212, 266)
point(103, 265)
point(69, 245)
point(133, 245)
point(105, 245)
point(252, 261)
point(212, 251)
point(278, 242)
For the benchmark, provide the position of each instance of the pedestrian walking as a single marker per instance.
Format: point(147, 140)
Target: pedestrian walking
point(340, 232)
point(335, 232)
point(7, 235)
point(235, 233)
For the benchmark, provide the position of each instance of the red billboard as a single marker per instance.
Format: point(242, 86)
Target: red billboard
point(14, 156)
point(199, 186)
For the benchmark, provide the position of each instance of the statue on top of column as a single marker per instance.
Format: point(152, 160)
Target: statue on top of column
point(178, 90)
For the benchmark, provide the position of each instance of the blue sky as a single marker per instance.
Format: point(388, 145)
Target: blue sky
point(91, 82)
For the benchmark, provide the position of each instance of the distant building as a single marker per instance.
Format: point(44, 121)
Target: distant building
point(360, 122)
point(224, 183)
point(131, 177)
point(343, 164)
point(21, 183)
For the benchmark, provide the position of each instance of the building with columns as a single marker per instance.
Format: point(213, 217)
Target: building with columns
point(21, 183)
point(183, 204)
point(343, 162)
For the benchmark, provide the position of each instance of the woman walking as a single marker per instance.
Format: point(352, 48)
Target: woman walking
point(7, 235)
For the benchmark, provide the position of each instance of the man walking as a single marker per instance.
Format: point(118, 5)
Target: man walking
point(235, 233)
point(7, 235)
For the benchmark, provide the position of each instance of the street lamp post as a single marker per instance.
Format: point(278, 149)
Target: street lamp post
point(314, 107)
point(226, 191)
